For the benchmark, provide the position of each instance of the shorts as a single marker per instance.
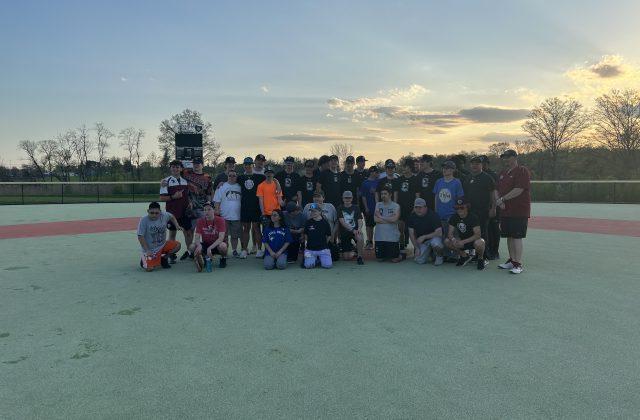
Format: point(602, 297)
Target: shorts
point(513, 227)
point(185, 223)
point(346, 241)
point(234, 228)
point(154, 261)
point(386, 250)
point(249, 215)
point(214, 251)
point(196, 214)
point(368, 220)
point(405, 212)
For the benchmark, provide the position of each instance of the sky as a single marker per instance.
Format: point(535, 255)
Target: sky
point(295, 77)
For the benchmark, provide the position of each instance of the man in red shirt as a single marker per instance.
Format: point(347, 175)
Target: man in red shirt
point(209, 237)
point(174, 191)
point(514, 200)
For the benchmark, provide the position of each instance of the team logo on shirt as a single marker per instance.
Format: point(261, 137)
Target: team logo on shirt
point(287, 182)
point(335, 178)
point(405, 186)
point(348, 218)
point(425, 182)
point(349, 179)
point(462, 227)
point(233, 195)
point(309, 186)
point(444, 195)
point(249, 184)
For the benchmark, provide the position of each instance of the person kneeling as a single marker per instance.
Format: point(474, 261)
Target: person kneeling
point(152, 236)
point(425, 233)
point(209, 238)
point(276, 239)
point(464, 235)
point(317, 233)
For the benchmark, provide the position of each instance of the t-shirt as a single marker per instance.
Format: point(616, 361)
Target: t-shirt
point(258, 171)
point(387, 232)
point(220, 179)
point(351, 215)
point(350, 182)
point(307, 187)
point(200, 188)
point(171, 185)
point(464, 227)
point(424, 183)
point(406, 193)
point(209, 230)
point(364, 174)
point(518, 177)
point(330, 184)
point(229, 197)
point(424, 225)
point(388, 183)
point(368, 192)
point(328, 212)
point(270, 202)
point(294, 222)
point(477, 190)
point(317, 232)
point(447, 192)
point(276, 237)
point(249, 186)
point(154, 231)
point(290, 184)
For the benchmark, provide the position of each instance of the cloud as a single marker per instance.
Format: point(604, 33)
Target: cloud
point(324, 136)
point(264, 89)
point(384, 98)
point(609, 66)
point(489, 114)
point(124, 79)
point(610, 72)
point(377, 130)
point(497, 137)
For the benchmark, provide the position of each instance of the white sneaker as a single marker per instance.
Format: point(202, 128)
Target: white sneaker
point(506, 265)
point(517, 270)
point(259, 253)
point(439, 260)
point(252, 250)
point(243, 255)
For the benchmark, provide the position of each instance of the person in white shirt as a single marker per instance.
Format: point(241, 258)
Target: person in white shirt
point(227, 200)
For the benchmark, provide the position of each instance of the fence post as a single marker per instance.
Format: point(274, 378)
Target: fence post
point(98, 191)
point(614, 192)
point(133, 193)
point(571, 192)
point(22, 193)
point(61, 193)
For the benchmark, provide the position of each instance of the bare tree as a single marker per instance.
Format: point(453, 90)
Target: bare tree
point(48, 150)
point(31, 149)
point(103, 135)
point(496, 149)
point(524, 146)
point(617, 124)
point(131, 141)
point(554, 123)
point(212, 150)
point(64, 154)
point(82, 147)
point(342, 150)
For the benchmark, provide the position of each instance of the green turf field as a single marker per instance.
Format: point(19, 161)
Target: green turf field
point(84, 333)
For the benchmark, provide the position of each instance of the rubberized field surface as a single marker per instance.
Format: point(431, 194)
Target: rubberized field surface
point(84, 333)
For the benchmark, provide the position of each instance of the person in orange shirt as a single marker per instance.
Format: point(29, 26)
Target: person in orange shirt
point(269, 195)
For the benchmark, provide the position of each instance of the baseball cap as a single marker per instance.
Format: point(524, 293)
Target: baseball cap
point(314, 206)
point(426, 158)
point(207, 203)
point(289, 159)
point(347, 194)
point(419, 202)
point(373, 168)
point(175, 163)
point(248, 160)
point(334, 157)
point(509, 153)
point(197, 160)
point(323, 159)
point(350, 159)
point(269, 169)
point(461, 203)
point(309, 164)
point(476, 159)
point(230, 159)
point(361, 159)
point(389, 163)
point(260, 156)
point(291, 206)
point(449, 165)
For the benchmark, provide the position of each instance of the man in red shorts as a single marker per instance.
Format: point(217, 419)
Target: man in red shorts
point(152, 236)
point(514, 201)
point(209, 238)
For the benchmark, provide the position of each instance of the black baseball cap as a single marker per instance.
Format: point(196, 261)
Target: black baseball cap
point(389, 163)
point(350, 159)
point(292, 206)
point(426, 158)
point(476, 159)
point(175, 163)
point(289, 159)
point(260, 156)
point(509, 153)
point(334, 157)
point(269, 169)
point(461, 203)
point(248, 160)
point(361, 159)
point(309, 164)
point(230, 159)
point(197, 160)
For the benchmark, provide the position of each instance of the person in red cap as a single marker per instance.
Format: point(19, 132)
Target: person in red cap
point(465, 235)
point(514, 201)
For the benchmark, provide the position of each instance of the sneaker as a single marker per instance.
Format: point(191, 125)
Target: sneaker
point(185, 255)
point(173, 258)
point(482, 263)
point(517, 269)
point(235, 254)
point(369, 245)
point(439, 260)
point(252, 250)
point(199, 261)
point(223, 262)
point(164, 262)
point(360, 262)
point(462, 261)
point(243, 255)
point(292, 261)
point(506, 265)
point(260, 253)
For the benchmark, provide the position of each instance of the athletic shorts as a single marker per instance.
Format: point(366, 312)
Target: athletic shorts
point(513, 227)
point(368, 220)
point(154, 260)
point(386, 250)
point(405, 212)
point(184, 221)
point(234, 228)
point(346, 241)
point(250, 215)
point(214, 251)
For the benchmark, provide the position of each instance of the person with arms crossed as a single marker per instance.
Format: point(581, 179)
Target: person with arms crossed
point(209, 238)
point(387, 235)
point(425, 232)
point(514, 201)
point(350, 227)
point(317, 233)
point(368, 198)
point(465, 234)
point(152, 236)
point(250, 208)
point(174, 192)
point(276, 237)
point(227, 201)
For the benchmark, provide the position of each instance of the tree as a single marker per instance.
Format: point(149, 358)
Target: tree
point(82, 147)
point(64, 153)
point(131, 141)
point(212, 150)
point(48, 149)
point(342, 150)
point(525, 146)
point(617, 124)
point(30, 147)
point(496, 149)
point(103, 135)
point(554, 123)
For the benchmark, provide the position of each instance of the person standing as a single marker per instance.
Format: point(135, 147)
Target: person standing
point(152, 236)
point(361, 169)
point(222, 177)
point(425, 232)
point(368, 199)
point(227, 201)
point(276, 238)
point(493, 229)
point(350, 219)
point(259, 164)
point(308, 183)
point(447, 190)
point(480, 192)
point(250, 208)
point(387, 235)
point(174, 191)
point(317, 233)
point(200, 192)
point(289, 182)
point(350, 180)
point(426, 180)
point(329, 182)
point(405, 196)
point(514, 201)
point(388, 180)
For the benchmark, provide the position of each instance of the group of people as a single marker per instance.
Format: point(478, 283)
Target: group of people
point(453, 214)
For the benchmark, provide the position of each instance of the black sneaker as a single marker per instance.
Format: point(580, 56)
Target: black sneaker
point(173, 258)
point(223, 262)
point(164, 262)
point(185, 255)
point(360, 262)
point(462, 261)
point(482, 263)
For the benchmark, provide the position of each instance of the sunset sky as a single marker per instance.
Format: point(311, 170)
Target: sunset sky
point(294, 77)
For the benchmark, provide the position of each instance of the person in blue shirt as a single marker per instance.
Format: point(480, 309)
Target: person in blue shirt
point(276, 238)
point(447, 190)
point(367, 193)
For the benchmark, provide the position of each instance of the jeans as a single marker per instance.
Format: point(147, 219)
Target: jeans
point(310, 258)
point(270, 263)
point(427, 247)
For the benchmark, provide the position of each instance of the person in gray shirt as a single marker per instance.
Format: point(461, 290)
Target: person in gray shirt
point(295, 221)
point(152, 236)
point(387, 234)
point(328, 211)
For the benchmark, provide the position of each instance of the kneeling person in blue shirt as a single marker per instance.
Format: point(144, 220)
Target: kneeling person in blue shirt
point(276, 238)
